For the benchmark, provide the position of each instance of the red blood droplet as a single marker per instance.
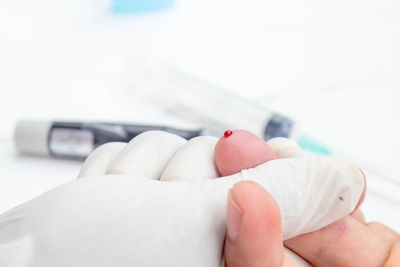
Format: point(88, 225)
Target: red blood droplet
point(228, 133)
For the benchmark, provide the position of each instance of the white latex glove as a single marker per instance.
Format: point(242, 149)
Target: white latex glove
point(119, 214)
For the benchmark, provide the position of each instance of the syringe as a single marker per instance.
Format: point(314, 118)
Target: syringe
point(192, 98)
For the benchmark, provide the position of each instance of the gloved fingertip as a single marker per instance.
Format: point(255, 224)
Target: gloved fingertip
point(285, 147)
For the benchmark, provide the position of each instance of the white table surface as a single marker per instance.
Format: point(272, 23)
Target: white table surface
point(334, 67)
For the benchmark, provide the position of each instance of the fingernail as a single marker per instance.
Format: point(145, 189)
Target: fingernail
point(234, 218)
point(228, 133)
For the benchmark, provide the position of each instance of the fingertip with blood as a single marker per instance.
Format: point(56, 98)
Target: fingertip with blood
point(240, 149)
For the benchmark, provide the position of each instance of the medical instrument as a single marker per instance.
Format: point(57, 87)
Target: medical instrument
point(75, 140)
point(192, 98)
point(136, 6)
point(183, 94)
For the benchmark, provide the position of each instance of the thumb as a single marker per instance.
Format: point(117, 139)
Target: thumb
point(254, 228)
point(394, 257)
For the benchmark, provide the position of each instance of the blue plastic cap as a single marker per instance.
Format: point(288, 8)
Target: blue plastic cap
point(137, 6)
point(310, 145)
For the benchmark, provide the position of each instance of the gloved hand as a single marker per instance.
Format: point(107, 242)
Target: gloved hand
point(119, 214)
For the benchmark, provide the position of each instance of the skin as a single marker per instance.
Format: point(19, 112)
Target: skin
point(254, 222)
point(241, 150)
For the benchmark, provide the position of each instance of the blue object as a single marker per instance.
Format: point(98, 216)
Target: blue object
point(278, 126)
point(309, 144)
point(137, 6)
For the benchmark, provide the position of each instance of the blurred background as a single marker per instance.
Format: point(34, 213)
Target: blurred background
point(331, 66)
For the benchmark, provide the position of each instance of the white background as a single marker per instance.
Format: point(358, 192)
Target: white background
point(333, 66)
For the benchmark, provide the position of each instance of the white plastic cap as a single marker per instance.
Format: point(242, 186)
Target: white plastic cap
point(31, 137)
